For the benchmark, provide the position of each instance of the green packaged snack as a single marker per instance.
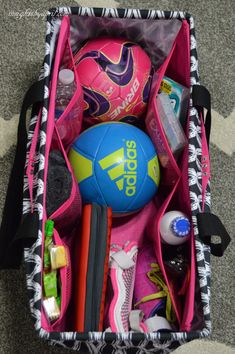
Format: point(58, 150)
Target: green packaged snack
point(50, 284)
point(58, 300)
point(49, 229)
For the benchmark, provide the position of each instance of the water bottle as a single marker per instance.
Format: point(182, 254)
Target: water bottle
point(174, 228)
point(66, 88)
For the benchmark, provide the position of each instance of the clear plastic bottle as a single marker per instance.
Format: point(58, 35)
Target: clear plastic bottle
point(65, 90)
point(175, 228)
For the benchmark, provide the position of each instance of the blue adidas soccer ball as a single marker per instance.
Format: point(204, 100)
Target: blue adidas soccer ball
point(115, 165)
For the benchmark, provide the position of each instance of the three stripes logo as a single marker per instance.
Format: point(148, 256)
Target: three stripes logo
point(122, 168)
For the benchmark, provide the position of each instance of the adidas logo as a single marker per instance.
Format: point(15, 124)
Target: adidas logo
point(125, 178)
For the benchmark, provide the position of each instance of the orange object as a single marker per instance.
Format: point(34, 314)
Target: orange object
point(80, 285)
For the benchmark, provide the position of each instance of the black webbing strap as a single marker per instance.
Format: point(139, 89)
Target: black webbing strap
point(12, 212)
point(210, 225)
point(24, 237)
point(202, 99)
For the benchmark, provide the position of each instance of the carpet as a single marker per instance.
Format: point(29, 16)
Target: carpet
point(22, 51)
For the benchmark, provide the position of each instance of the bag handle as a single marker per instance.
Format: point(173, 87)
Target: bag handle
point(209, 225)
point(10, 253)
point(202, 99)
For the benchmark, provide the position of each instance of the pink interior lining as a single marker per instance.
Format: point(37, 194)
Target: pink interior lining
point(64, 206)
point(188, 312)
point(179, 65)
point(63, 37)
point(158, 251)
point(155, 128)
point(134, 226)
point(180, 179)
point(184, 201)
point(70, 122)
point(182, 74)
point(68, 214)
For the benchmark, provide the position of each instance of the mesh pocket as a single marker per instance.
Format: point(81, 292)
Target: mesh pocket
point(65, 275)
point(68, 214)
point(70, 118)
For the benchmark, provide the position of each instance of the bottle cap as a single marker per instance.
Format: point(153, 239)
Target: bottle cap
point(49, 228)
point(66, 76)
point(180, 226)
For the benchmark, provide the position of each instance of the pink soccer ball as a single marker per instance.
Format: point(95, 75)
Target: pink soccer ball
point(115, 75)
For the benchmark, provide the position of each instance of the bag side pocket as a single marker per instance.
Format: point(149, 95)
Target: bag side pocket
point(174, 174)
point(182, 297)
point(154, 234)
point(65, 275)
point(69, 123)
point(68, 214)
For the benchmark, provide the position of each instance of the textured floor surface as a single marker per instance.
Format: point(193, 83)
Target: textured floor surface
point(22, 51)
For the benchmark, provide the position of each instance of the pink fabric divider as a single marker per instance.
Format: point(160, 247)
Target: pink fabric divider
point(66, 288)
point(181, 58)
point(133, 227)
point(61, 46)
point(68, 214)
point(156, 238)
point(177, 67)
point(127, 227)
point(170, 171)
point(183, 201)
point(205, 161)
point(69, 123)
point(188, 312)
point(62, 40)
point(31, 159)
point(177, 199)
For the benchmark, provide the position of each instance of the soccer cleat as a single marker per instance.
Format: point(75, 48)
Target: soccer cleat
point(122, 266)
